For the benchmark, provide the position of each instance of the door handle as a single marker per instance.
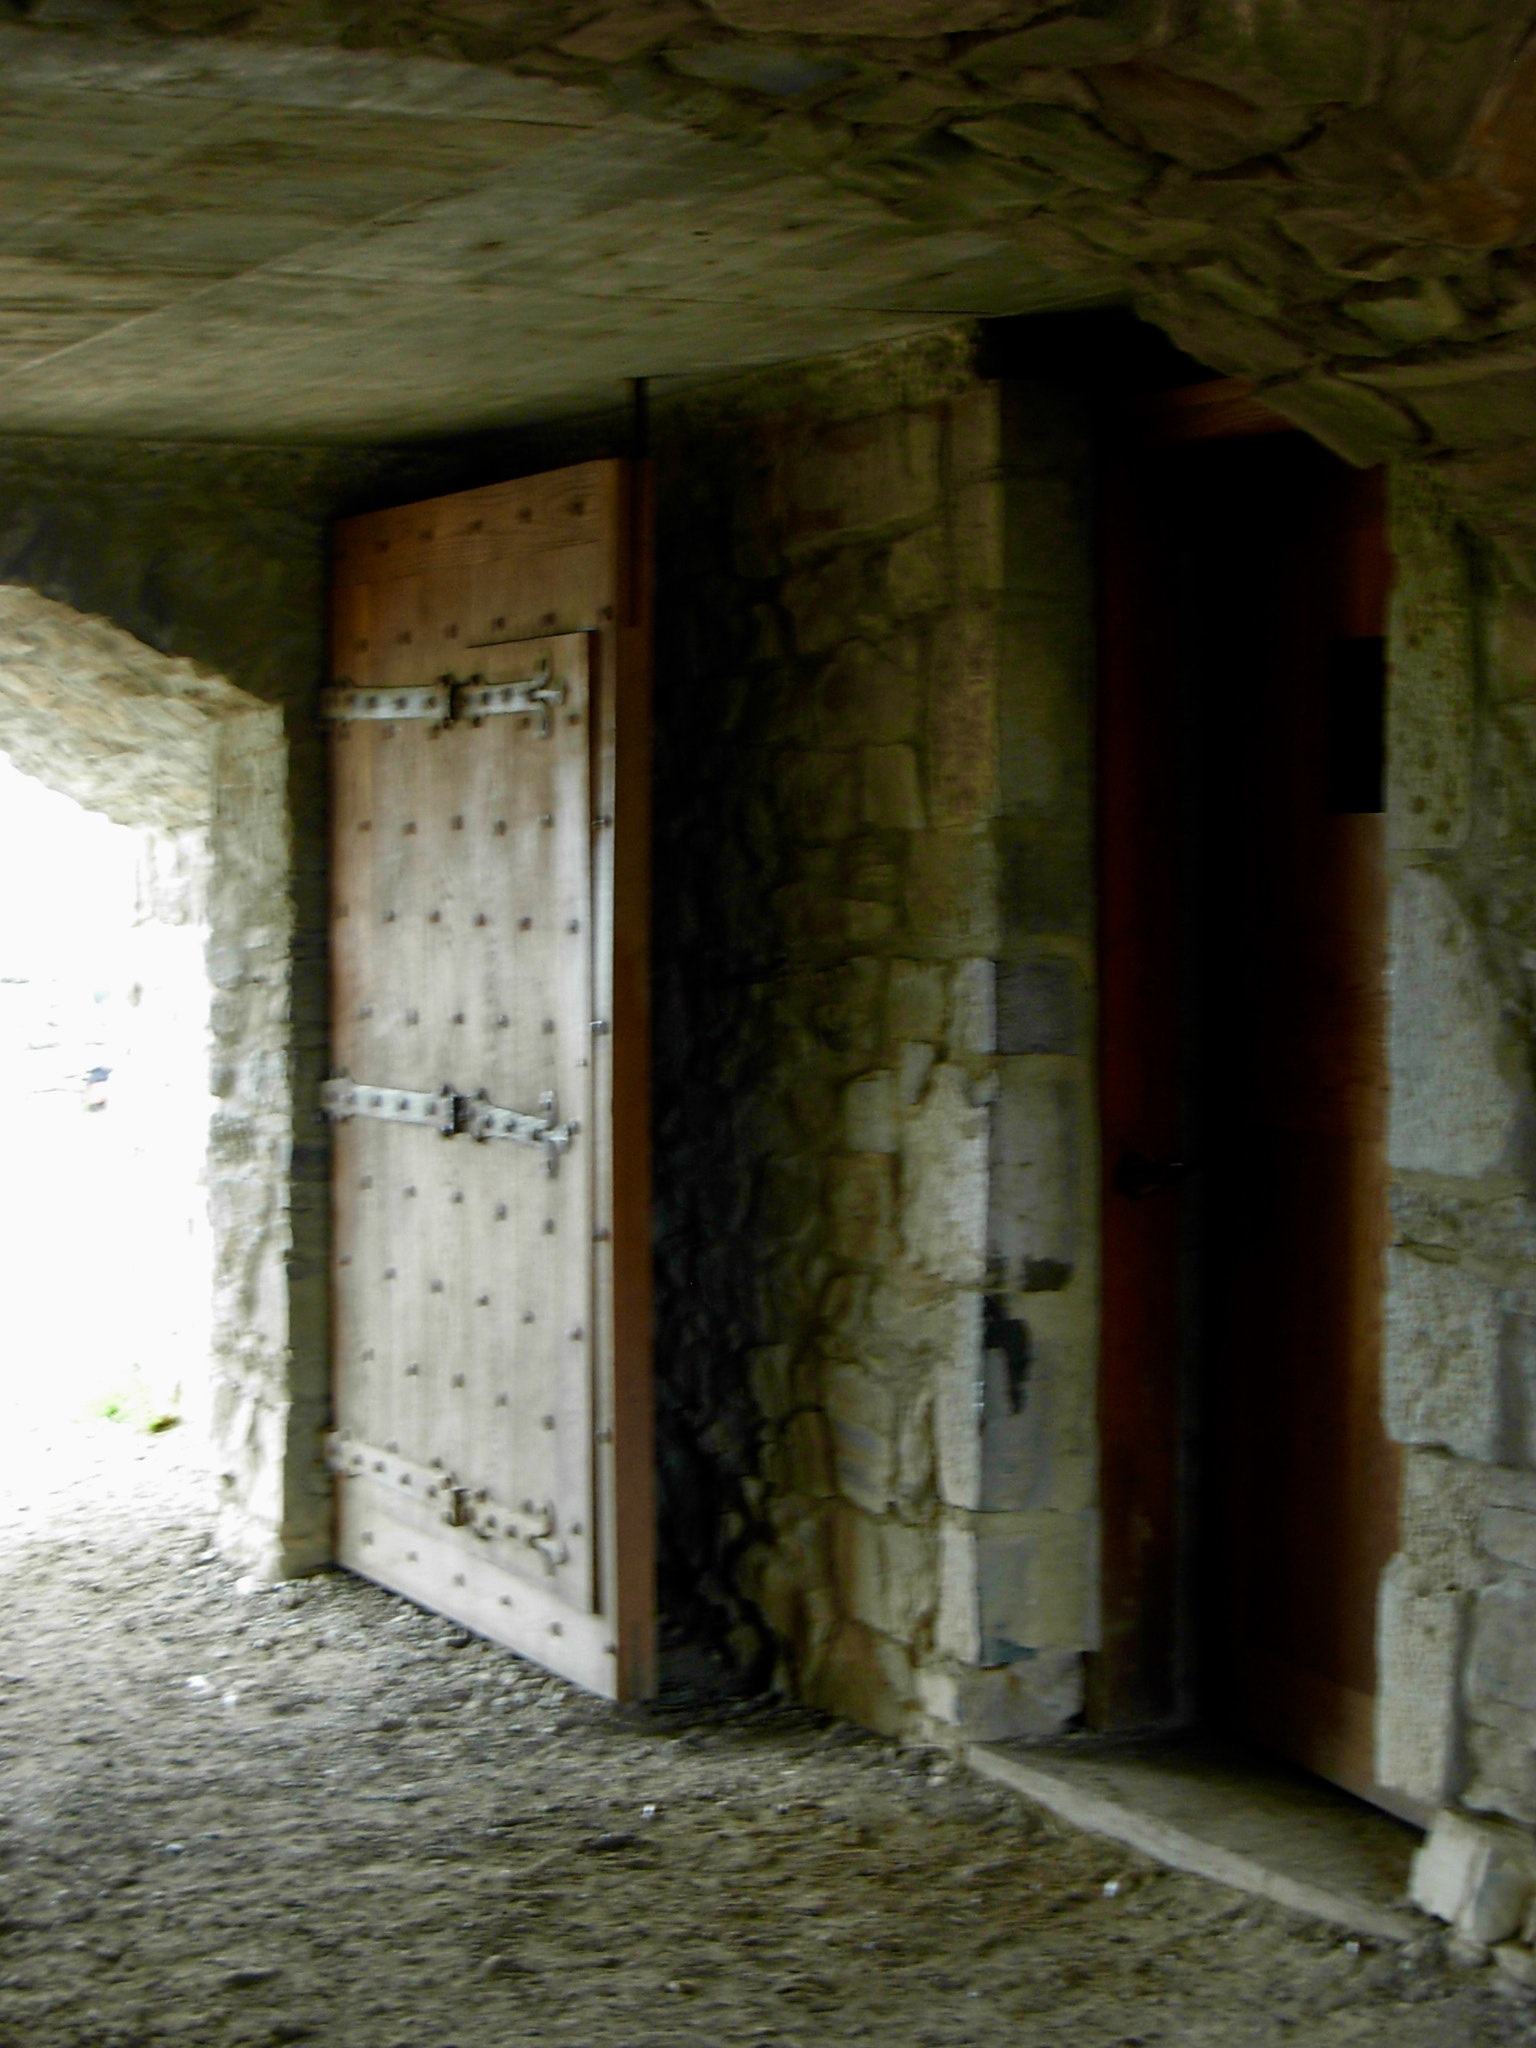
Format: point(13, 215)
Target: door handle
point(1136, 1176)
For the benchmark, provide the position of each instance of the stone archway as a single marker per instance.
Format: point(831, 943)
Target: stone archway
point(157, 742)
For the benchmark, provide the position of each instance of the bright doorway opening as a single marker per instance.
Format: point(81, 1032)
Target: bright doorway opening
point(105, 1249)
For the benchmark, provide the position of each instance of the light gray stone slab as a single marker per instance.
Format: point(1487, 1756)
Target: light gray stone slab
point(1419, 1636)
point(1228, 1816)
point(944, 1181)
point(1452, 1106)
point(1441, 1365)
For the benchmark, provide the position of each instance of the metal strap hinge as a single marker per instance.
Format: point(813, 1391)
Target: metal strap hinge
point(460, 1506)
point(482, 1119)
point(448, 701)
point(451, 1114)
point(342, 1097)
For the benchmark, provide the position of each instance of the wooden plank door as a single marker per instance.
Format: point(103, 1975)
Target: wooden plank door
point(1291, 911)
point(489, 721)
point(1250, 1494)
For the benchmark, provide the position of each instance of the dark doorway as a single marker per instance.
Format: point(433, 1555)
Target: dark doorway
point(1250, 1492)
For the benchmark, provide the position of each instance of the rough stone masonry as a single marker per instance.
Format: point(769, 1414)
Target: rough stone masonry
point(874, 972)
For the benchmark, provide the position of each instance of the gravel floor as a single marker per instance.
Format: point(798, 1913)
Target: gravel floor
point(316, 1814)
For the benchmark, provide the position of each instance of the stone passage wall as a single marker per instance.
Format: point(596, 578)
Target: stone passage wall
point(876, 1341)
point(198, 714)
point(1458, 1616)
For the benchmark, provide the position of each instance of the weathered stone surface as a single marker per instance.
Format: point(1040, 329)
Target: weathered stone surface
point(91, 711)
point(1362, 425)
point(808, 1459)
point(866, 695)
point(914, 1063)
point(1040, 1006)
point(869, 1114)
point(916, 574)
point(861, 1203)
point(973, 1010)
point(891, 797)
point(1441, 1371)
point(862, 1411)
point(1410, 313)
point(864, 1676)
point(944, 1182)
point(861, 17)
point(1418, 1659)
point(1072, 39)
point(962, 722)
point(1501, 1765)
point(917, 1000)
point(959, 1394)
point(1013, 1583)
point(885, 1572)
point(820, 793)
point(1429, 706)
point(1033, 1224)
point(976, 530)
point(1035, 1695)
point(1516, 1963)
point(1452, 1107)
point(623, 32)
point(1215, 333)
point(1509, 1534)
point(1195, 123)
point(1501, 1664)
point(1060, 141)
point(856, 479)
point(826, 991)
point(1479, 1877)
point(952, 892)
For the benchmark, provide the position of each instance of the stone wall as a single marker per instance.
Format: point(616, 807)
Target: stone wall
point(877, 1279)
point(1458, 1616)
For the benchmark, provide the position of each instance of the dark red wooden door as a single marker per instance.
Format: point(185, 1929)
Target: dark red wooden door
point(1251, 1494)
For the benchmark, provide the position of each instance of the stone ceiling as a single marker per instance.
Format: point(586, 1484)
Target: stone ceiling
point(334, 219)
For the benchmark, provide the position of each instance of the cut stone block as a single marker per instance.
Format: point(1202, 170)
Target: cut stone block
point(1418, 1658)
point(1039, 1007)
point(1501, 1664)
point(916, 1001)
point(891, 796)
point(1038, 1695)
point(869, 1114)
point(944, 1181)
point(914, 1065)
point(1430, 710)
point(973, 1023)
point(1478, 1877)
point(862, 1412)
point(1030, 1584)
point(1036, 1145)
point(1452, 1107)
point(1441, 1377)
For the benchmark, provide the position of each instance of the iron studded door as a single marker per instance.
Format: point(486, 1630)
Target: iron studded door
point(490, 753)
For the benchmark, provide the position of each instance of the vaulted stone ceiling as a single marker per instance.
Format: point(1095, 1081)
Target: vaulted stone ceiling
point(330, 218)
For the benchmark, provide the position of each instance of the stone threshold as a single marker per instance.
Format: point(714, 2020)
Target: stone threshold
point(1228, 1813)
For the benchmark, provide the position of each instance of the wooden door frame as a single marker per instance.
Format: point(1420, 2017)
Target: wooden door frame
point(633, 1448)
